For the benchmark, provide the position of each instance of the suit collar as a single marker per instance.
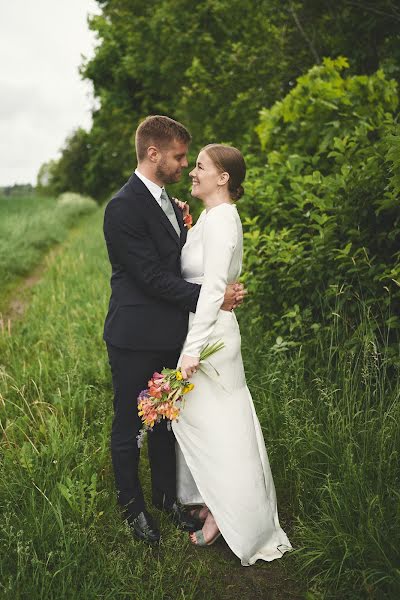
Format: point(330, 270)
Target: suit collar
point(140, 188)
point(154, 189)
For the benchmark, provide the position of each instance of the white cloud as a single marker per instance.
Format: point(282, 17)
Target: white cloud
point(42, 97)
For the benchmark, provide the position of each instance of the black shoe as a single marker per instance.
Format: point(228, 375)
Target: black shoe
point(144, 529)
point(181, 517)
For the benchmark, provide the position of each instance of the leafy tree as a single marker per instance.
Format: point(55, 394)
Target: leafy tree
point(45, 177)
point(213, 64)
point(68, 173)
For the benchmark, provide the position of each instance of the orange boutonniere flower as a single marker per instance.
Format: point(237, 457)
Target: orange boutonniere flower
point(185, 208)
point(188, 220)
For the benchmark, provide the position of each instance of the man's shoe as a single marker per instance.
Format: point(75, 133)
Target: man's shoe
point(144, 529)
point(182, 519)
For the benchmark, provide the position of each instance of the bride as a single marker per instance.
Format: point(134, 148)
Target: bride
point(222, 463)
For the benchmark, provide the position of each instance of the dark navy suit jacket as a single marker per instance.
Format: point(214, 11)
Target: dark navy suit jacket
point(150, 301)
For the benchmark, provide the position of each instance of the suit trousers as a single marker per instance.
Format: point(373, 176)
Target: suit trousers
point(131, 370)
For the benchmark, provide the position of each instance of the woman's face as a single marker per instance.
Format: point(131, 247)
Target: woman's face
point(206, 178)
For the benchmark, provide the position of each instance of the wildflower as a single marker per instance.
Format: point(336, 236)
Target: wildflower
point(157, 376)
point(188, 388)
point(155, 392)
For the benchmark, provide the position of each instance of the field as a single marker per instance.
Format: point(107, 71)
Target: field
point(29, 227)
point(61, 535)
point(331, 433)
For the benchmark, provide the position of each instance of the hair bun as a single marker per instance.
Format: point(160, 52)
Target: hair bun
point(238, 193)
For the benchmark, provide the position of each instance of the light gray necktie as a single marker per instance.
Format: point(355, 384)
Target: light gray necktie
point(169, 211)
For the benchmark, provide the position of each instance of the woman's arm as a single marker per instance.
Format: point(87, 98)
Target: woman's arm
point(219, 242)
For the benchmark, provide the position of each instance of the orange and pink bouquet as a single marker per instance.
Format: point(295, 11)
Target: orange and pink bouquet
point(165, 396)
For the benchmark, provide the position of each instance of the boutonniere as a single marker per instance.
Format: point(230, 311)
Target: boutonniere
point(185, 208)
point(188, 220)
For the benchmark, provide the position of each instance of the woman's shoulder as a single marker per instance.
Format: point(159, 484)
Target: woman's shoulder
point(222, 213)
point(222, 223)
point(224, 208)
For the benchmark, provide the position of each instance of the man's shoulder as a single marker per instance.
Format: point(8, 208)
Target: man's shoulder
point(128, 199)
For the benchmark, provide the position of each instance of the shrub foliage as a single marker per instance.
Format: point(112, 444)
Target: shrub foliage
point(323, 221)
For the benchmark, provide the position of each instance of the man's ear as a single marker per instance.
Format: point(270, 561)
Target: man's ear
point(152, 153)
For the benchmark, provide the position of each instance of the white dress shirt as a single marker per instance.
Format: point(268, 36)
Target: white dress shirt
point(154, 189)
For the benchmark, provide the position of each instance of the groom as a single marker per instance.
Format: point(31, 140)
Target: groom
point(147, 318)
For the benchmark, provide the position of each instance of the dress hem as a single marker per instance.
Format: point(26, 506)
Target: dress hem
point(269, 558)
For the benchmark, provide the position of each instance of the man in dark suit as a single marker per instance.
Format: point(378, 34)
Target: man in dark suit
point(147, 319)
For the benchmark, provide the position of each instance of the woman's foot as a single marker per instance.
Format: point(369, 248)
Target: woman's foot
point(207, 535)
point(200, 513)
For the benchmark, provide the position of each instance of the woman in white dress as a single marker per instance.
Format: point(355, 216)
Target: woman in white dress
point(221, 456)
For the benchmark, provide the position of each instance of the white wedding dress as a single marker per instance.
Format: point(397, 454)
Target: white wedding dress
point(221, 456)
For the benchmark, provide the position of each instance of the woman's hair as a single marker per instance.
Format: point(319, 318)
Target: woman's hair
point(230, 160)
point(160, 131)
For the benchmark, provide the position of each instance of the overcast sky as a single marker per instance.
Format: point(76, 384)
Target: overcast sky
point(42, 98)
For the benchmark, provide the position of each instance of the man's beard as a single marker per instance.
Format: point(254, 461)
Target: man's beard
point(166, 176)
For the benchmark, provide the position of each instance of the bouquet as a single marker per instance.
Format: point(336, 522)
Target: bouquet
point(165, 396)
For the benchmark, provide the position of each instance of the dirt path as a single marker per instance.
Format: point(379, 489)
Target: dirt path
point(13, 306)
point(16, 300)
point(277, 580)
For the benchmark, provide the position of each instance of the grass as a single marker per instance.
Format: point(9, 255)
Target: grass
point(29, 226)
point(331, 427)
point(61, 535)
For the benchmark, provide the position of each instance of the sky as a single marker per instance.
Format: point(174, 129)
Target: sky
point(42, 96)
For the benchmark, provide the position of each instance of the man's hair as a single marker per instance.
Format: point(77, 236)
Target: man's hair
point(159, 131)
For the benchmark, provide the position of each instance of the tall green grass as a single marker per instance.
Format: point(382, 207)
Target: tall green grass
point(61, 535)
point(332, 431)
point(29, 226)
point(331, 428)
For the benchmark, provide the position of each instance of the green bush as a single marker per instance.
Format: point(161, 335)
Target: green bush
point(322, 220)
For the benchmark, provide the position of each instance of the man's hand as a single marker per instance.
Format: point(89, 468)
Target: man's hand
point(234, 296)
point(189, 365)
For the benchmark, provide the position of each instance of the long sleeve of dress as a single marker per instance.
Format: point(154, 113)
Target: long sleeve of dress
point(219, 241)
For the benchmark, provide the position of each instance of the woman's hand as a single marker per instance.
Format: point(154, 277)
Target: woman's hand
point(189, 365)
point(184, 206)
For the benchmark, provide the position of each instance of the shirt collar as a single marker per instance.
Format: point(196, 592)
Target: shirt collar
point(154, 189)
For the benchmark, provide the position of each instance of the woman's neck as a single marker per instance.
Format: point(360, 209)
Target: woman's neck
point(216, 199)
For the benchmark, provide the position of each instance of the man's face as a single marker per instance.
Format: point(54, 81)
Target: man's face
point(171, 162)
